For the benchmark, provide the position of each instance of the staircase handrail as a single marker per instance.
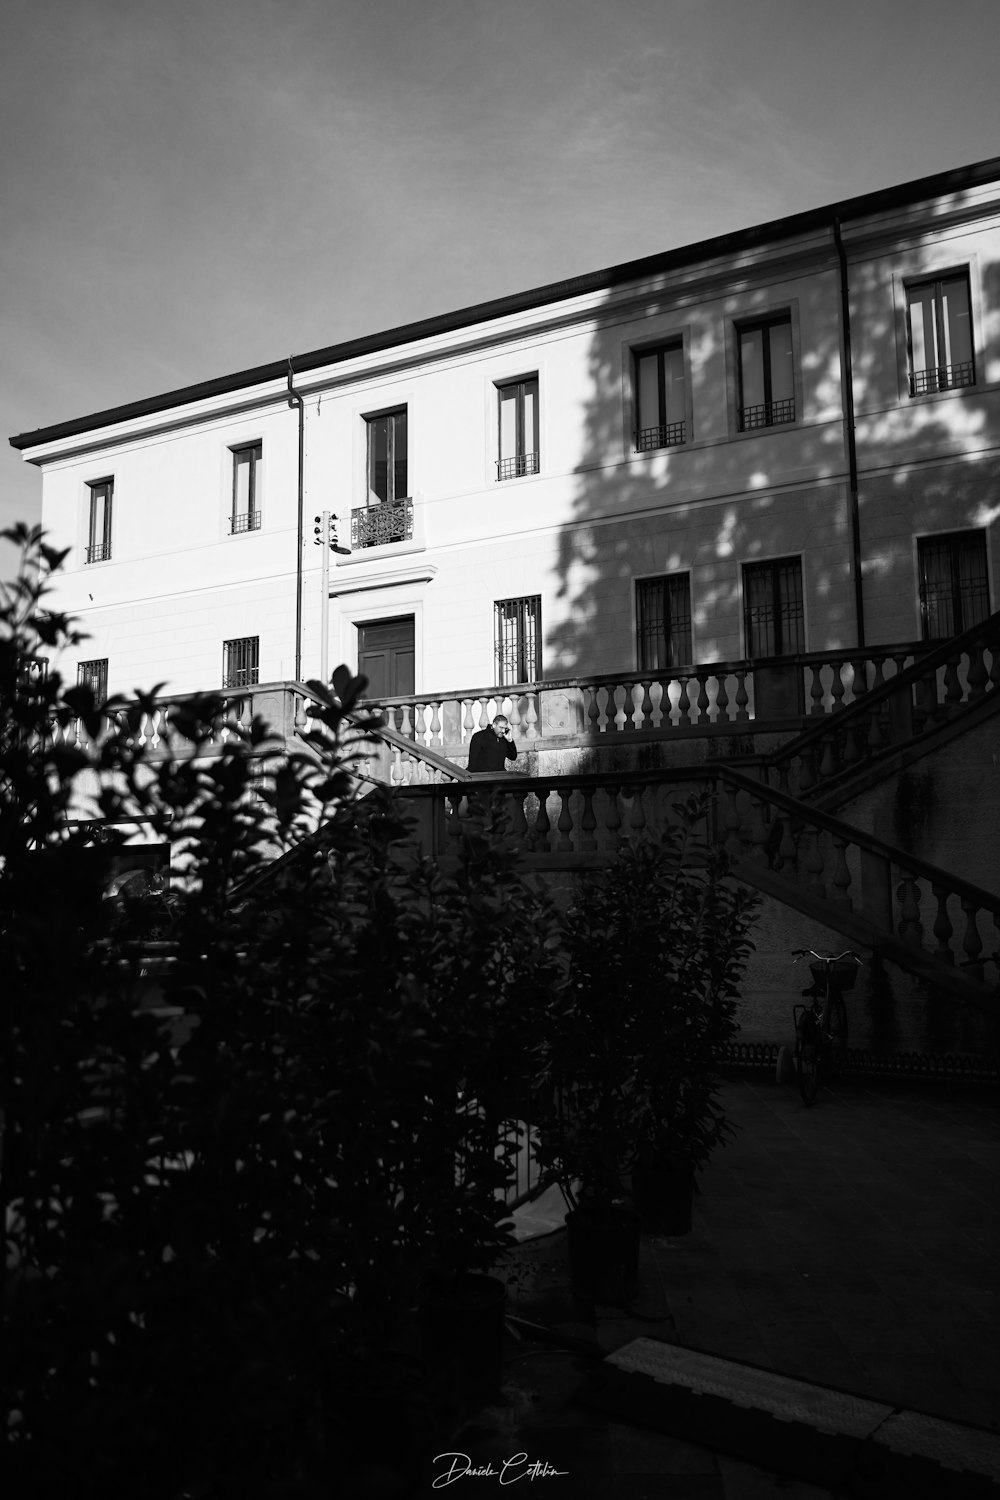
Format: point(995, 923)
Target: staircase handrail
point(806, 813)
point(937, 656)
point(422, 752)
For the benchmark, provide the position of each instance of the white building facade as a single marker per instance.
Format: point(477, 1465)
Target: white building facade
point(782, 441)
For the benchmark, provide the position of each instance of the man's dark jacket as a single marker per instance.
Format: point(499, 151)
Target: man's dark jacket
point(487, 753)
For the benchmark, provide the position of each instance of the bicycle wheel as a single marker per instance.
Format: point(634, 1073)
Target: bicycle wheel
point(808, 1068)
point(836, 1042)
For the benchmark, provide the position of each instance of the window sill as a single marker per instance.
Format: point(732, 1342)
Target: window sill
point(382, 553)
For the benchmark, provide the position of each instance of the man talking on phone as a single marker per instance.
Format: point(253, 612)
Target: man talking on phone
point(491, 749)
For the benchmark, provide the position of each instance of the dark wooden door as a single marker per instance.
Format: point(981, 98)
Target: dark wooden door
point(385, 657)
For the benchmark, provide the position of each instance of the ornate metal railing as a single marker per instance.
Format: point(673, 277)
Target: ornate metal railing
point(942, 378)
point(247, 520)
point(767, 414)
point(665, 436)
point(517, 467)
point(378, 525)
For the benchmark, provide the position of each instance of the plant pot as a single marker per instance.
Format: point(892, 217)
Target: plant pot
point(663, 1193)
point(462, 1332)
point(603, 1254)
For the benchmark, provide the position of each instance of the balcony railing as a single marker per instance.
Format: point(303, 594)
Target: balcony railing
point(767, 414)
point(666, 436)
point(378, 525)
point(942, 378)
point(99, 552)
point(248, 520)
point(516, 468)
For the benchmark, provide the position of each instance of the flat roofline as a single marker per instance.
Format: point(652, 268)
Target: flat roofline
point(954, 180)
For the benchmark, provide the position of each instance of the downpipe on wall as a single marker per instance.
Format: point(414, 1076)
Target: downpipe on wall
point(852, 445)
point(294, 399)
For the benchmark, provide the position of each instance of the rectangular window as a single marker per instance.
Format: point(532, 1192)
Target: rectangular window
point(663, 622)
point(241, 662)
point(95, 675)
point(939, 333)
point(954, 585)
point(519, 640)
point(660, 397)
point(517, 425)
point(99, 526)
point(766, 374)
point(772, 608)
point(388, 477)
point(247, 473)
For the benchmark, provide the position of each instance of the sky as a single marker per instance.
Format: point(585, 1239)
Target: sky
point(189, 189)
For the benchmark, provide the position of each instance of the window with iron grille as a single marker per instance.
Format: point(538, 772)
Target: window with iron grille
point(245, 514)
point(954, 584)
point(660, 397)
point(766, 373)
point(241, 662)
point(519, 640)
point(99, 525)
point(517, 428)
point(773, 614)
point(663, 621)
point(94, 674)
point(939, 335)
point(388, 476)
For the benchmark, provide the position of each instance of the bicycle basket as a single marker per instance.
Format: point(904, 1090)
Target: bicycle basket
point(844, 975)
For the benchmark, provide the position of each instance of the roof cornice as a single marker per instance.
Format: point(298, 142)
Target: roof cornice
point(867, 205)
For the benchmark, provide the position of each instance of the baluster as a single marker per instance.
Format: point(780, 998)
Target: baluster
point(436, 724)
point(588, 822)
point(837, 687)
point(828, 762)
point(395, 766)
point(540, 832)
point(852, 733)
point(878, 729)
point(683, 703)
point(760, 833)
point(995, 665)
point(952, 687)
point(977, 676)
point(405, 720)
point(628, 706)
point(840, 876)
point(565, 822)
point(419, 724)
point(731, 822)
point(612, 816)
point(972, 943)
point(646, 707)
point(484, 717)
point(908, 895)
point(593, 712)
point(943, 929)
point(531, 716)
point(703, 702)
point(816, 688)
point(299, 718)
point(518, 821)
point(742, 696)
point(721, 700)
point(468, 722)
point(637, 817)
point(785, 858)
point(879, 678)
point(814, 863)
point(454, 800)
point(859, 667)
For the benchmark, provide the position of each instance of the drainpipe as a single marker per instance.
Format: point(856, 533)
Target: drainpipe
point(852, 446)
point(294, 399)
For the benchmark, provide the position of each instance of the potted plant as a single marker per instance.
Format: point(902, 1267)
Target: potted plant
point(654, 947)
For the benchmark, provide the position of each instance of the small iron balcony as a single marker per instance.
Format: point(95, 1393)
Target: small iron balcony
point(378, 525)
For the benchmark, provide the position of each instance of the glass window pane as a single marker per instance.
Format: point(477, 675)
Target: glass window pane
point(923, 342)
point(679, 593)
point(399, 456)
point(508, 422)
point(378, 459)
point(530, 424)
point(782, 381)
point(241, 478)
point(957, 321)
point(751, 367)
point(648, 382)
point(673, 379)
point(937, 603)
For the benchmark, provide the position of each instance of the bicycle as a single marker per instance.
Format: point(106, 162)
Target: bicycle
point(821, 1027)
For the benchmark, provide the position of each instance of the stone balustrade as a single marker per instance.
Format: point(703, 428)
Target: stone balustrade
point(921, 697)
point(718, 696)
